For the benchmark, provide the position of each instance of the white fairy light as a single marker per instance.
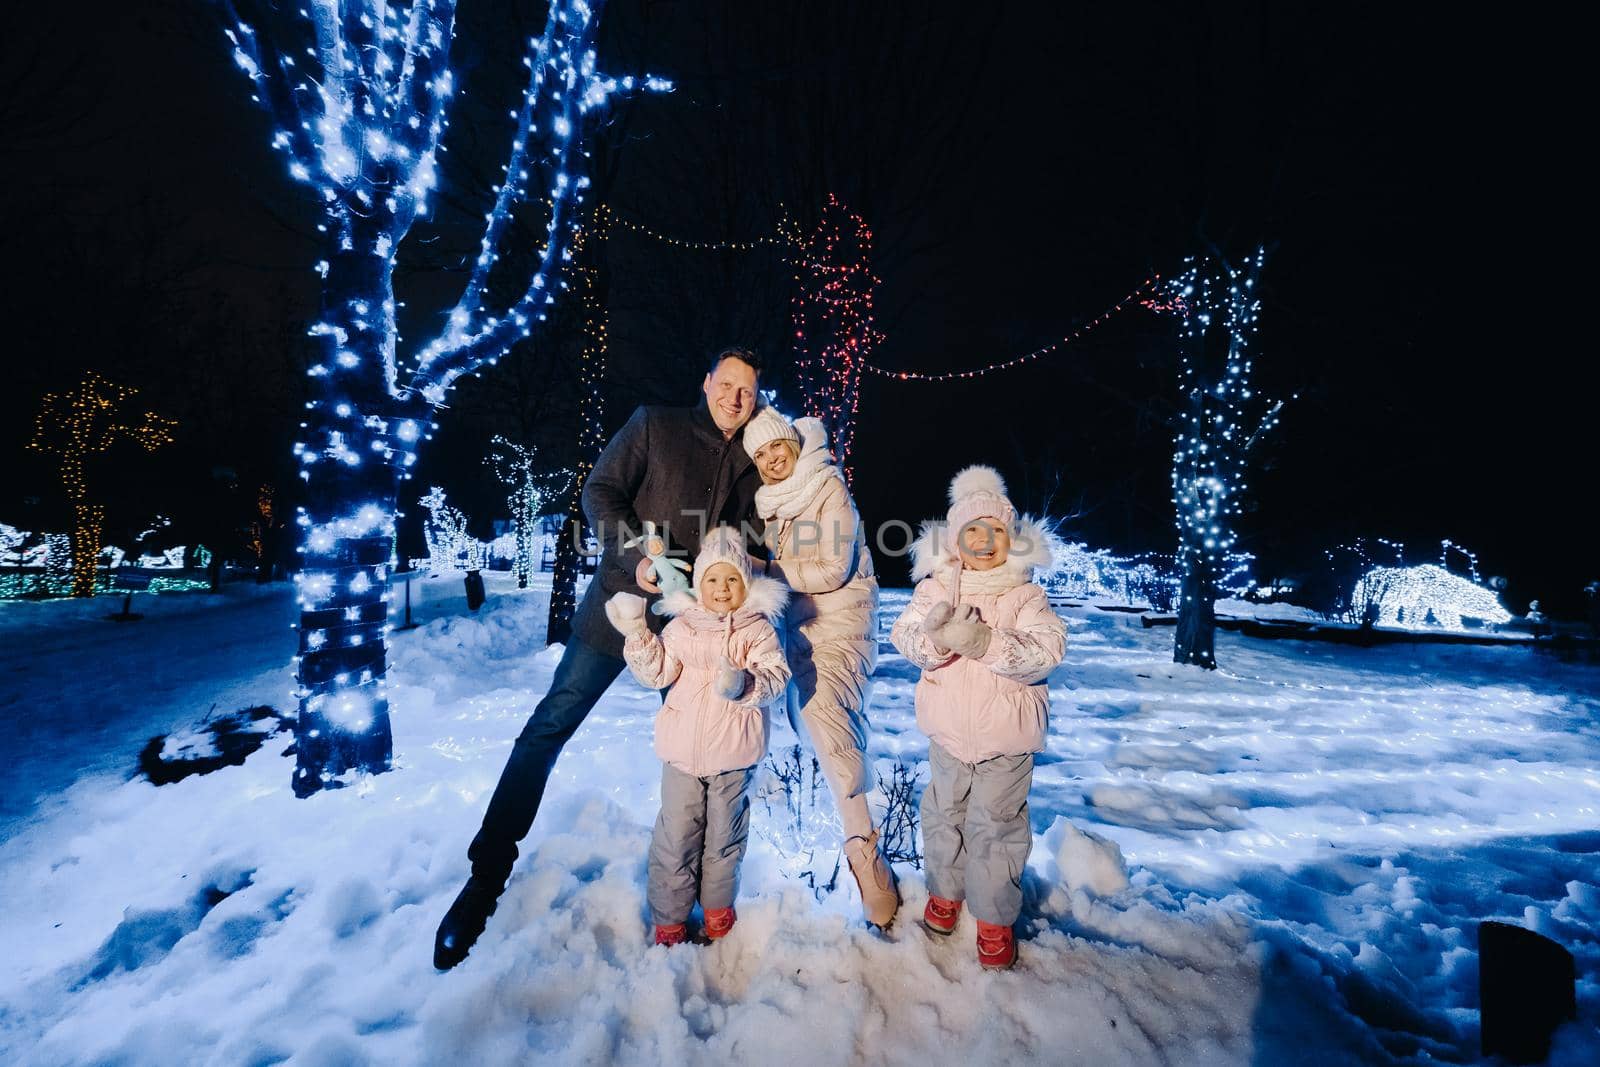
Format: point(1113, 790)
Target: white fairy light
point(357, 91)
point(1221, 419)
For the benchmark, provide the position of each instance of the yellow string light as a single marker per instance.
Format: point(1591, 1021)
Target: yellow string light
point(79, 424)
point(1038, 353)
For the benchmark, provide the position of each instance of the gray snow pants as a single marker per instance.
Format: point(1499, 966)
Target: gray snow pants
point(975, 832)
point(699, 840)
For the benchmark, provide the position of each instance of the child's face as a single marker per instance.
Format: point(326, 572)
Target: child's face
point(654, 547)
point(722, 589)
point(985, 544)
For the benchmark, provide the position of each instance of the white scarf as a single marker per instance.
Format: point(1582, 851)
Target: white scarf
point(992, 582)
point(788, 498)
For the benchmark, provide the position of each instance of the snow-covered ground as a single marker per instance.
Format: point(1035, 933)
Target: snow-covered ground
point(1307, 840)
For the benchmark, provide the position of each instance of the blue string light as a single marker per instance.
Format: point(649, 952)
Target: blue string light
point(358, 93)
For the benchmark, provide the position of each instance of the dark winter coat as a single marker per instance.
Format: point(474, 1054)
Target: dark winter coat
point(670, 466)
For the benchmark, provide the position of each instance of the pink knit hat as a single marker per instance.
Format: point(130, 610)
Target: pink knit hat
point(977, 492)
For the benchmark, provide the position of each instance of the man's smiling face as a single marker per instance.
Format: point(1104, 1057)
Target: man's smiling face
point(731, 394)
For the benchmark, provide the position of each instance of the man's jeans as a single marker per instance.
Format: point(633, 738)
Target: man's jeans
point(582, 677)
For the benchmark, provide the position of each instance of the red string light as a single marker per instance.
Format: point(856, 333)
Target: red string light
point(832, 317)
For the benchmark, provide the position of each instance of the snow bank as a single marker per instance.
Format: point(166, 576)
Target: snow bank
point(1283, 862)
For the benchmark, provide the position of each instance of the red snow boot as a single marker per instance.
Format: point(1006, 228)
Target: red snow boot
point(719, 921)
point(675, 934)
point(997, 946)
point(940, 915)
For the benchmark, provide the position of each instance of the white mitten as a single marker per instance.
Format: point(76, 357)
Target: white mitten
point(626, 612)
point(934, 621)
point(966, 634)
point(731, 681)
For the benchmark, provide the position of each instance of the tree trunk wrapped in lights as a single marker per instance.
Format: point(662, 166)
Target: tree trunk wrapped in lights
point(75, 426)
point(1217, 307)
point(591, 434)
point(832, 315)
point(530, 490)
point(357, 91)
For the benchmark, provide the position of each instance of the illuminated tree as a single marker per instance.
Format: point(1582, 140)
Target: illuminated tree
point(79, 424)
point(357, 91)
point(832, 314)
point(1220, 420)
point(531, 490)
point(591, 432)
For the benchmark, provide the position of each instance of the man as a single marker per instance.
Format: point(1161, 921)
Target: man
point(684, 469)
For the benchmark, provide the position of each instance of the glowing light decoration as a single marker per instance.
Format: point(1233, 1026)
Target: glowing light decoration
point(12, 541)
point(76, 425)
point(357, 91)
point(531, 490)
point(832, 317)
point(1149, 579)
point(1028, 357)
point(58, 563)
point(1222, 418)
point(591, 432)
point(450, 547)
point(1427, 596)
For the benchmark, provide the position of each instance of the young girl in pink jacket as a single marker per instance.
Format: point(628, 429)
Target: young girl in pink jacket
point(720, 656)
point(985, 638)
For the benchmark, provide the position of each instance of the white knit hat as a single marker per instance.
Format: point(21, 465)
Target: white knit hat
point(766, 426)
point(722, 545)
point(976, 493)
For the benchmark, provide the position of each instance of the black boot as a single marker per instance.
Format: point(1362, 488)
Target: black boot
point(465, 920)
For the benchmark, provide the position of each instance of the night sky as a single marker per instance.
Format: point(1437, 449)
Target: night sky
point(1414, 177)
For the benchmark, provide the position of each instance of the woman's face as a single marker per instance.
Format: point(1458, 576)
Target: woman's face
point(722, 589)
point(775, 461)
point(985, 544)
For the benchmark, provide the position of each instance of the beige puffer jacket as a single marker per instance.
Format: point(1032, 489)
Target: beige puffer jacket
point(831, 633)
point(698, 731)
point(997, 705)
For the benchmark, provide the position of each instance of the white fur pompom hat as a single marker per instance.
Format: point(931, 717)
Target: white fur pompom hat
point(975, 493)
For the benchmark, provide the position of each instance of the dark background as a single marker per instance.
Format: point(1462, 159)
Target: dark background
point(1412, 170)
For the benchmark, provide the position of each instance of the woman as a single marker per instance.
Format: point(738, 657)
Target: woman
point(831, 630)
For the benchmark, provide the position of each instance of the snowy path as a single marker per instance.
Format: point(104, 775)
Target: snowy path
point(1310, 838)
point(79, 695)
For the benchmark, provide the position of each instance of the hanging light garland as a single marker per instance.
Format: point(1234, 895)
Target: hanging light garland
point(1006, 364)
point(784, 235)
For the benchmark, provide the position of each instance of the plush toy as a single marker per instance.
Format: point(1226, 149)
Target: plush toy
point(672, 575)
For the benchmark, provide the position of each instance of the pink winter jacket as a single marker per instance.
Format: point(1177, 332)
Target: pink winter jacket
point(698, 731)
point(997, 705)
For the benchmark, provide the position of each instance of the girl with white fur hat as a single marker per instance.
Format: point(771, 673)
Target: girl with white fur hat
point(819, 549)
point(985, 638)
point(721, 658)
